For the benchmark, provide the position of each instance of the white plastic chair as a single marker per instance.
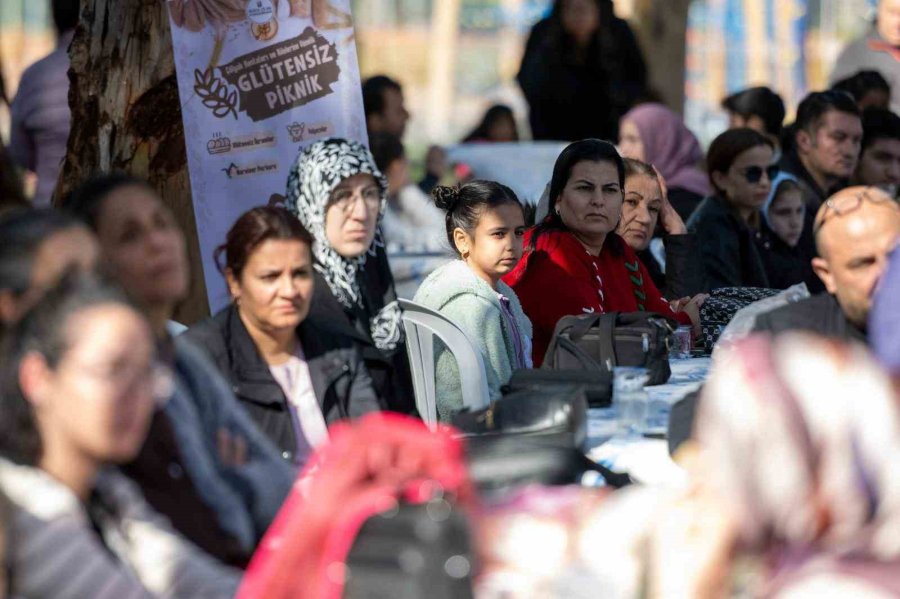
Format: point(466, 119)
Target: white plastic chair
point(421, 325)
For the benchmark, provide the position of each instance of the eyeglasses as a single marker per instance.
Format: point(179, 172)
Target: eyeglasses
point(158, 379)
point(346, 200)
point(845, 205)
point(753, 174)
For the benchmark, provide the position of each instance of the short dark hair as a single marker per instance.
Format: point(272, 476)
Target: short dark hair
point(465, 205)
point(373, 90)
point(65, 14)
point(817, 104)
point(590, 150)
point(85, 202)
point(22, 232)
point(758, 101)
point(253, 228)
point(725, 149)
point(385, 148)
point(879, 123)
point(861, 83)
point(43, 329)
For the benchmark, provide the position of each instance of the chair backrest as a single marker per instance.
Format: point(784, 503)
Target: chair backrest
point(421, 325)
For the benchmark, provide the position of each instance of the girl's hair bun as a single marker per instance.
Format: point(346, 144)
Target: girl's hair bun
point(446, 198)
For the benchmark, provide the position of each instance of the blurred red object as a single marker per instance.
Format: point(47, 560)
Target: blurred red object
point(364, 470)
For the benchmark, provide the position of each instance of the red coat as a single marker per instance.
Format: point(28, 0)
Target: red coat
point(560, 278)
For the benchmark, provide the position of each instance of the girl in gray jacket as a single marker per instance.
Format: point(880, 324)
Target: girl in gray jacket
point(485, 225)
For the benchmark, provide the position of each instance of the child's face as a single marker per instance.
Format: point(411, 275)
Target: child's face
point(496, 246)
point(786, 216)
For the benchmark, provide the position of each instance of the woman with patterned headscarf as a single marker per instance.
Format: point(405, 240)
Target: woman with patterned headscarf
point(337, 192)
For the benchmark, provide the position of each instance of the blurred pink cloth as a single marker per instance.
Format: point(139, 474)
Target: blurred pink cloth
point(365, 469)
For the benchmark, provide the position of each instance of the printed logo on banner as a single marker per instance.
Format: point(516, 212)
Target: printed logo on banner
point(267, 82)
point(263, 24)
point(218, 145)
point(222, 145)
point(235, 171)
point(301, 132)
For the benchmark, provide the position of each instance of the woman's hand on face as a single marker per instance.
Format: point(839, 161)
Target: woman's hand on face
point(668, 218)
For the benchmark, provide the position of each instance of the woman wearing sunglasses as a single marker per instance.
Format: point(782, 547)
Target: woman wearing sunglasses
point(741, 168)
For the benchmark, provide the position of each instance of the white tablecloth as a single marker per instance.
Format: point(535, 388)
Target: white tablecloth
point(646, 459)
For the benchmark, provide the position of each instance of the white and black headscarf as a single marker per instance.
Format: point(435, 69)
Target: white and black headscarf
point(363, 285)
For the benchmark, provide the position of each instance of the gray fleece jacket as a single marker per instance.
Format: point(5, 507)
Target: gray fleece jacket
point(458, 293)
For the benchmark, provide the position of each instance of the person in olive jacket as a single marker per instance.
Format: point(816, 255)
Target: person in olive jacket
point(293, 373)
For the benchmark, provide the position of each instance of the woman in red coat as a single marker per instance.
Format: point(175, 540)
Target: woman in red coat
point(574, 262)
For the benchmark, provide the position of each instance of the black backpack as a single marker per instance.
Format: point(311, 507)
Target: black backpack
point(604, 341)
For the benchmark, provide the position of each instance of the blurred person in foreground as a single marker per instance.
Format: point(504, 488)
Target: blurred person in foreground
point(877, 50)
point(582, 69)
point(884, 319)
point(40, 115)
point(37, 247)
point(204, 465)
point(879, 160)
point(79, 383)
point(757, 108)
point(799, 438)
point(855, 230)
point(658, 136)
point(826, 141)
point(869, 88)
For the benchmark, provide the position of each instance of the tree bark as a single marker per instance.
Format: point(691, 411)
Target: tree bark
point(126, 115)
point(661, 27)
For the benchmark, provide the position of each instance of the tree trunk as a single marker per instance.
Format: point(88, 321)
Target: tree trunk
point(661, 27)
point(126, 114)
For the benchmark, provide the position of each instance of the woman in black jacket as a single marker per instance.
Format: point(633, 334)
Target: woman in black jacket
point(741, 168)
point(292, 372)
point(581, 71)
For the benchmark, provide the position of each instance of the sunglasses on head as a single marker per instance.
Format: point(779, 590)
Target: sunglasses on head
point(846, 205)
point(753, 174)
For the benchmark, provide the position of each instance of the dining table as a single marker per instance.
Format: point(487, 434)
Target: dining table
point(645, 455)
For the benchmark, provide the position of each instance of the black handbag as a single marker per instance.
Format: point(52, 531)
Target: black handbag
point(597, 384)
point(418, 550)
point(721, 306)
point(600, 342)
point(561, 415)
point(500, 464)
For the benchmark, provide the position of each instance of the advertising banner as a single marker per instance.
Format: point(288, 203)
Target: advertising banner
point(258, 80)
